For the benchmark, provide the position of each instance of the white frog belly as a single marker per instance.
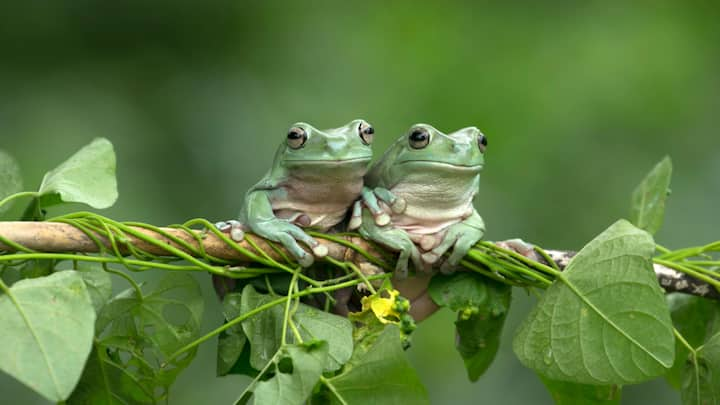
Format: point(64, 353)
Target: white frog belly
point(323, 204)
point(430, 208)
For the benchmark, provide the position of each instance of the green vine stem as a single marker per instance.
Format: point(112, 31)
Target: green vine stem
point(206, 249)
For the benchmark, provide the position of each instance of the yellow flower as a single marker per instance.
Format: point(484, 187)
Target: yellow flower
point(383, 308)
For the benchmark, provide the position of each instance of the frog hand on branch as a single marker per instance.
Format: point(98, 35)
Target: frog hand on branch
point(315, 178)
point(425, 184)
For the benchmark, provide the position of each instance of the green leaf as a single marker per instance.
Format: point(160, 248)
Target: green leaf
point(10, 180)
point(47, 333)
point(604, 320)
point(696, 319)
point(648, 199)
point(86, 177)
point(297, 370)
point(478, 335)
point(335, 330)
point(232, 341)
point(458, 291)
point(380, 375)
point(701, 385)
point(565, 393)
point(264, 330)
point(135, 336)
point(98, 283)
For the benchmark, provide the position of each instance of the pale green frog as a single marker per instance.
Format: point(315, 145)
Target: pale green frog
point(425, 183)
point(315, 177)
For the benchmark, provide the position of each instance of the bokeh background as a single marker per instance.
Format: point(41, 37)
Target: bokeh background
point(578, 101)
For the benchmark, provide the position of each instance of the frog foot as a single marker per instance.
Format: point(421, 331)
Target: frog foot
point(234, 227)
point(519, 246)
point(379, 201)
point(460, 237)
point(289, 235)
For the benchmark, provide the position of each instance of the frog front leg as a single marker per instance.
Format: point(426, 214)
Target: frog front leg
point(371, 198)
point(394, 239)
point(258, 214)
point(461, 237)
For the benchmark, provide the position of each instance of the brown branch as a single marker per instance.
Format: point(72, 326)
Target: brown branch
point(52, 237)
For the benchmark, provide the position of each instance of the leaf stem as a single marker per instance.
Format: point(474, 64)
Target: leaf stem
point(15, 196)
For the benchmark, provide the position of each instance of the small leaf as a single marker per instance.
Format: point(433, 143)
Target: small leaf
point(648, 199)
point(35, 268)
point(232, 341)
point(380, 375)
point(86, 177)
point(696, 319)
point(47, 333)
point(458, 291)
point(335, 330)
point(565, 393)
point(135, 335)
point(604, 321)
point(702, 378)
point(297, 370)
point(10, 180)
point(478, 334)
point(264, 330)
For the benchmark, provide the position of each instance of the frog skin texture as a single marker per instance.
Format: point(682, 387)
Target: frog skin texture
point(433, 178)
point(315, 178)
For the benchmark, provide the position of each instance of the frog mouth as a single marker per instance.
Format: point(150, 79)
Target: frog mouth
point(451, 166)
point(328, 161)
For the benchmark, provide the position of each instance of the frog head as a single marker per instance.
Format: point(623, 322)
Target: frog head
point(307, 145)
point(426, 151)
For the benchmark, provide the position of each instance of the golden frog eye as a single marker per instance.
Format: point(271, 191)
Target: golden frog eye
point(296, 137)
point(366, 132)
point(419, 138)
point(482, 142)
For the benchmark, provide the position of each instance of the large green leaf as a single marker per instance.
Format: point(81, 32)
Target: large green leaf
point(701, 385)
point(335, 330)
point(648, 199)
point(696, 319)
point(297, 369)
point(380, 375)
point(604, 321)
point(47, 332)
point(135, 336)
point(10, 180)
point(565, 393)
point(478, 334)
point(86, 177)
point(264, 330)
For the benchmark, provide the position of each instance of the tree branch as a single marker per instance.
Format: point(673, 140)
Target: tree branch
point(55, 237)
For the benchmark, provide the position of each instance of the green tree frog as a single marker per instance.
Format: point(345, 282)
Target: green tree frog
point(315, 177)
point(425, 184)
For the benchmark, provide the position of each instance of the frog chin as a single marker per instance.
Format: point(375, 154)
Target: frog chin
point(330, 163)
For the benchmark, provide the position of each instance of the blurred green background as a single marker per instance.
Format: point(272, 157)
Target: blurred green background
point(578, 102)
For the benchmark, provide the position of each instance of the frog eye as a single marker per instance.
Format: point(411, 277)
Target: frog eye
point(296, 137)
point(366, 132)
point(482, 142)
point(419, 138)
